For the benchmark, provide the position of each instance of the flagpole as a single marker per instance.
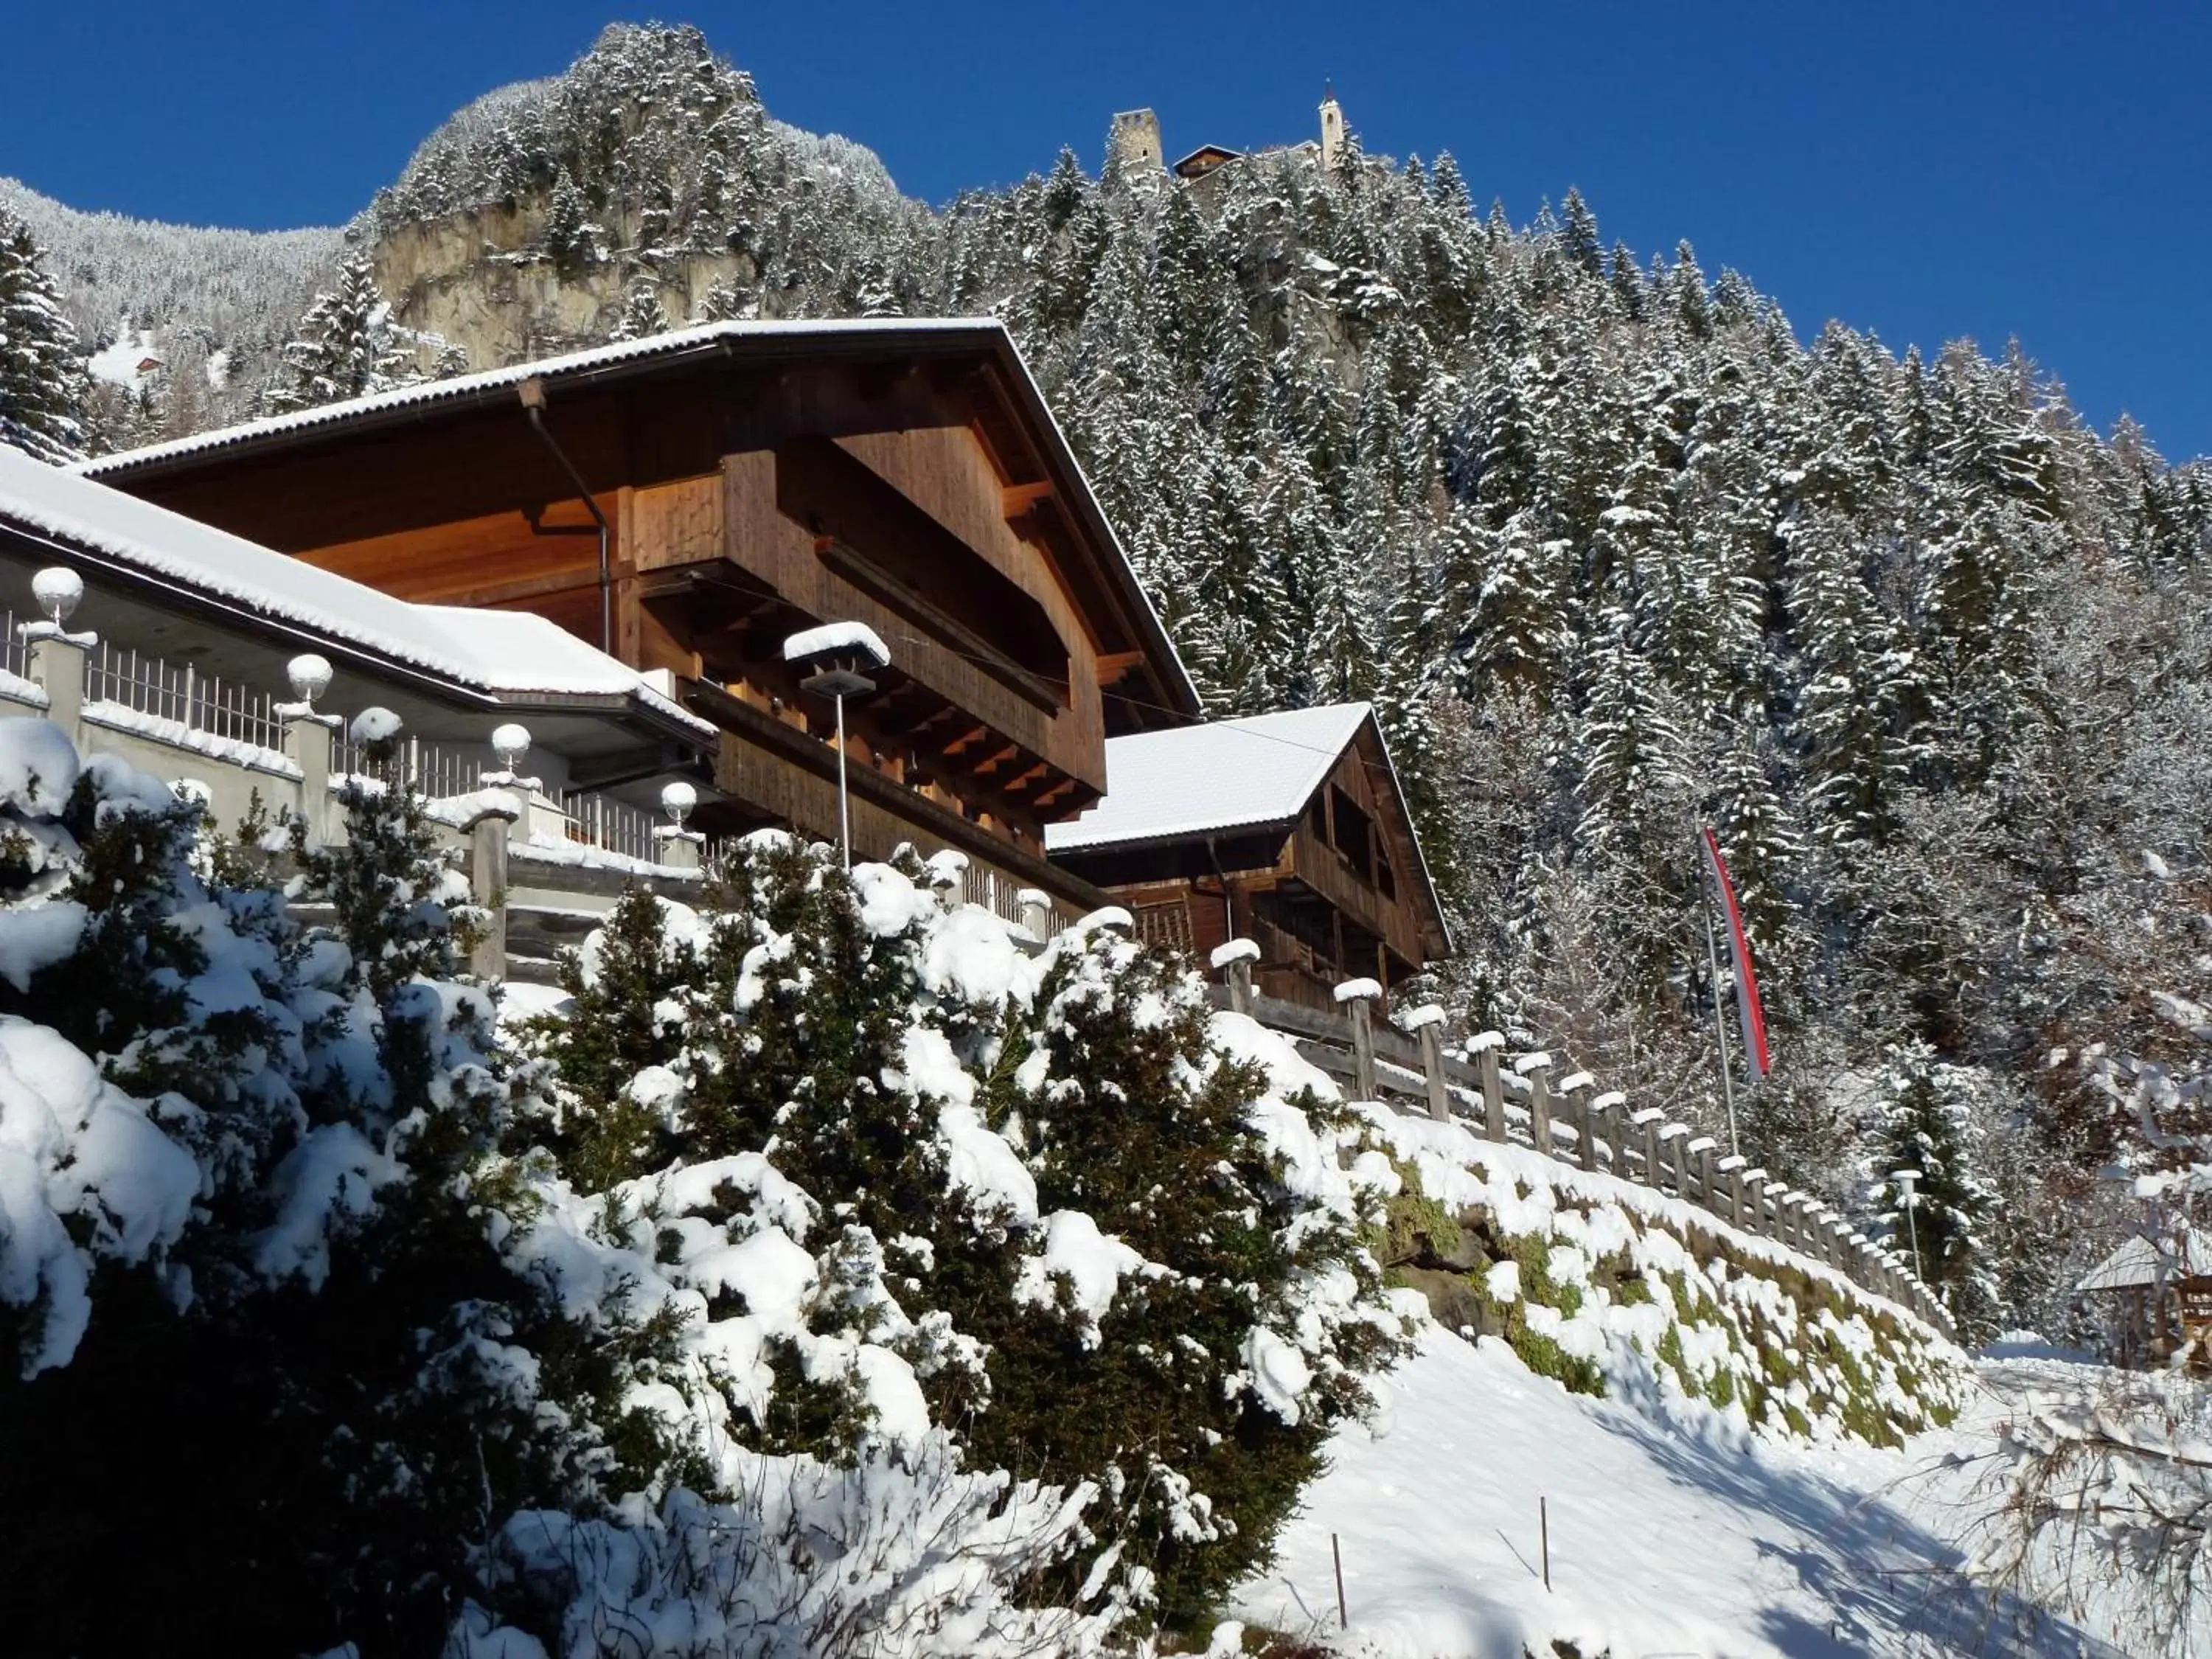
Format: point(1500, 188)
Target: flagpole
point(1720, 1019)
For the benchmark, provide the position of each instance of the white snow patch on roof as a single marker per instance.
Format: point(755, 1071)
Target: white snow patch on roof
point(496, 651)
point(1226, 775)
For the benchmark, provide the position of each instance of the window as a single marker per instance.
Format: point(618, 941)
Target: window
point(1355, 834)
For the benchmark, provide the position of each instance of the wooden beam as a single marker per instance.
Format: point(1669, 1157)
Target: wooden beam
point(993, 763)
point(1016, 786)
point(1115, 666)
point(530, 587)
point(967, 739)
point(1015, 500)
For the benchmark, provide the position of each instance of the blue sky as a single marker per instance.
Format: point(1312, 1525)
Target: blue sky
point(1944, 168)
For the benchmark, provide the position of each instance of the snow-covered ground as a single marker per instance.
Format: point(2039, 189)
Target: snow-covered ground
point(1671, 1534)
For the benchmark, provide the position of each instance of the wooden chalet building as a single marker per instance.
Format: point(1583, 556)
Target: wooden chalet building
point(689, 501)
point(1288, 829)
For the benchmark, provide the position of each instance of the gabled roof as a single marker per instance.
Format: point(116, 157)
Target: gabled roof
point(1205, 779)
point(2142, 1262)
point(1207, 156)
point(782, 343)
point(506, 655)
point(462, 387)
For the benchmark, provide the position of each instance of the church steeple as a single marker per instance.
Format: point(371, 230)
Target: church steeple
point(1332, 127)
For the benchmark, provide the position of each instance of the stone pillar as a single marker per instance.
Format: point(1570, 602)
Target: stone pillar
point(1357, 997)
point(487, 832)
point(307, 746)
point(1537, 1069)
point(948, 875)
point(1036, 912)
point(1234, 960)
point(1483, 1049)
point(1427, 1025)
point(57, 666)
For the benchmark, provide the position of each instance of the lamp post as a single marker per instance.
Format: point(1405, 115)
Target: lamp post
point(1906, 1180)
point(835, 654)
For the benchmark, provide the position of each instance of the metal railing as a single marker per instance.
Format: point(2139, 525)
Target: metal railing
point(15, 649)
point(180, 692)
point(611, 825)
point(430, 769)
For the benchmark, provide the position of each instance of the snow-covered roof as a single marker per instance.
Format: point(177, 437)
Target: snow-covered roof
point(679, 342)
point(462, 386)
point(2142, 1262)
point(505, 653)
point(1204, 779)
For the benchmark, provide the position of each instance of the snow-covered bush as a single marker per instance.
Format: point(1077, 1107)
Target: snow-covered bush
point(905, 1177)
point(266, 1374)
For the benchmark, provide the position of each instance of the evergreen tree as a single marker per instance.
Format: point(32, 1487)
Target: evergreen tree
point(1927, 1126)
point(43, 385)
point(346, 346)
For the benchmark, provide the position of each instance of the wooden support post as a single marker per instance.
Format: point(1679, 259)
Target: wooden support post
point(1357, 998)
point(1537, 1069)
point(1486, 1047)
point(1234, 960)
point(1427, 1024)
point(487, 834)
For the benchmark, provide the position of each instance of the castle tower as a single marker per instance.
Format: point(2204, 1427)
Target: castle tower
point(1332, 127)
point(1136, 145)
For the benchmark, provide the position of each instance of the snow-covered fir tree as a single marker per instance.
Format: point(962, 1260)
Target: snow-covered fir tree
point(346, 346)
point(42, 380)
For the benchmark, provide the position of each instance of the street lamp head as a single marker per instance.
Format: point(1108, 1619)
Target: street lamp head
point(677, 799)
point(58, 590)
point(510, 743)
point(838, 656)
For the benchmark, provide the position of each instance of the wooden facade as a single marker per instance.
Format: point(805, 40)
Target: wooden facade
point(754, 480)
point(1333, 889)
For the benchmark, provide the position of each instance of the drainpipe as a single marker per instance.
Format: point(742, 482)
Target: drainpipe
point(1228, 893)
point(533, 403)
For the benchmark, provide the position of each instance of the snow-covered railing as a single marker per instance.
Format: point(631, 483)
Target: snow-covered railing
point(611, 825)
point(429, 769)
point(180, 693)
point(1535, 1101)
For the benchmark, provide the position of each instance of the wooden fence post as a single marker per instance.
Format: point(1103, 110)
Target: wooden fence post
point(1699, 1150)
point(1577, 1087)
point(1234, 960)
point(1357, 998)
point(1610, 1110)
point(1752, 1185)
point(1647, 1122)
point(1485, 1047)
point(1674, 1139)
point(1426, 1022)
point(1536, 1068)
point(1732, 1167)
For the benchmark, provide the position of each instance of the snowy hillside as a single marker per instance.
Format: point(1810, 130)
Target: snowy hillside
point(169, 288)
point(1670, 1533)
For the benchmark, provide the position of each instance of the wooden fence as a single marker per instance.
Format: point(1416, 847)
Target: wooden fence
point(1528, 1100)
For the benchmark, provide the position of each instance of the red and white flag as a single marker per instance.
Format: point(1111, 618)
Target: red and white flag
point(1746, 982)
